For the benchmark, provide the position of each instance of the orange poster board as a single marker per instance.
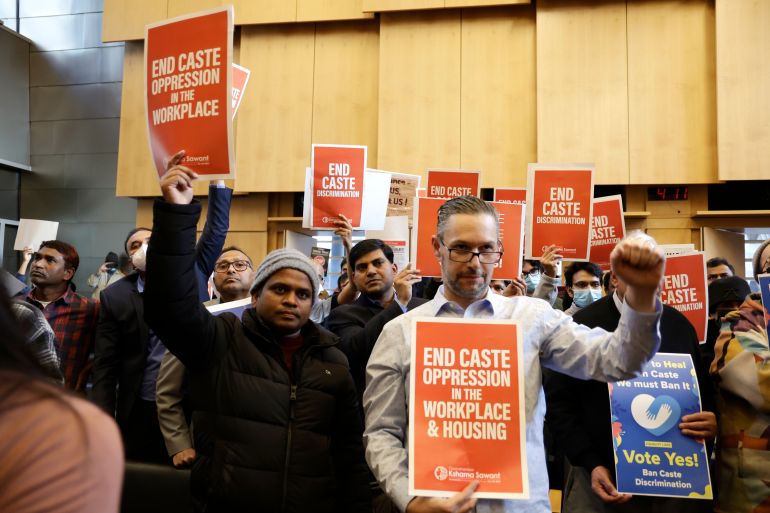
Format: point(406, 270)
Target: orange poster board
point(240, 79)
point(511, 218)
point(466, 408)
point(448, 183)
point(684, 288)
point(425, 217)
point(516, 195)
point(608, 227)
point(559, 205)
point(338, 184)
point(188, 91)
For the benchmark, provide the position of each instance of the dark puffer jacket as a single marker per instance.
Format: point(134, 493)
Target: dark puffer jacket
point(266, 443)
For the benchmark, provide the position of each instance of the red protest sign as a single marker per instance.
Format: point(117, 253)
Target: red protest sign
point(425, 216)
point(240, 79)
point(608, 227)
point(444, 183)
point(559, 209)
point(684, 288)
point(338, 184)
point(188, 90)
point(466, 409)
point(511, 219)
point(516, 195)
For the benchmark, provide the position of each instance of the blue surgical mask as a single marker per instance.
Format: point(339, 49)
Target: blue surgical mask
point(532, 280)
point(584, 297)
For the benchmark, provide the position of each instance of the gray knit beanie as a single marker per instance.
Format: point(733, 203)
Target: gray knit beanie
point(285, 259)
point(757, 265)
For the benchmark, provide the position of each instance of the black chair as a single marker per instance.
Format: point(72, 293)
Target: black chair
point(155, 489)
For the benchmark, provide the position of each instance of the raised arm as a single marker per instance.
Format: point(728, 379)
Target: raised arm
point(172, 306)
point(582, 353)
point(214, 233)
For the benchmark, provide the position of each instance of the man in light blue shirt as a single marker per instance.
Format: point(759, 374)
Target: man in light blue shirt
point(467, 246)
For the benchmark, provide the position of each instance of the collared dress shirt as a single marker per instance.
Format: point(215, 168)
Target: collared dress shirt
point(549, 337)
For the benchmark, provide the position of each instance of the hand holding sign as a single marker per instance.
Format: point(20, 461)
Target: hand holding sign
point(604, 488)
point(404, 281)
point(345, 230)
point(550, 260)
point(517, 287)
point(26, 254)
point(700, 425)
point(639, 263)
point(460, 502)
point(176, 184)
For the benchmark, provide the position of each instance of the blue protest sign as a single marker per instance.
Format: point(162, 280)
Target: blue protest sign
point(764, 288)
point(652, 456)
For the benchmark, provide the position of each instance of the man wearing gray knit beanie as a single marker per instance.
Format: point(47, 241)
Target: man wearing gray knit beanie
point(281, 270)
point(276, 420)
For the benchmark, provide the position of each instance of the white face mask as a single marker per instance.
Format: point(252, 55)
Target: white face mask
point(139, 258)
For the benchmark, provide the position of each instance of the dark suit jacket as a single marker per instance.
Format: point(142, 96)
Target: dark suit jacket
point(122, 335)
point(359, 324)
point(578, 412)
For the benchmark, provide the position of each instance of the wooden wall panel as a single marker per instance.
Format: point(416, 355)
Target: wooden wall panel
point(248, 223)
point(330, 10)
point(246, 11)
point(409, 5)
point(136, 171)
point(276, 114)
point(345, 85)
point(400, 5)
point(498, 111)
point(419, 101)
point(672, 92)
point(124, 20)
point(253, 243)
point(582, 86)
point(248, 213)
point(743, 88)
point(482, 3)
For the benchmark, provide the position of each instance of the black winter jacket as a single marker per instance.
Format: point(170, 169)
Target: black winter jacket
point(264, 444)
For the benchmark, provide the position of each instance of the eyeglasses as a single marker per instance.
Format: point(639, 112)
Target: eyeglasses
point(238, 265)
point(533, 273)
point(464, 256)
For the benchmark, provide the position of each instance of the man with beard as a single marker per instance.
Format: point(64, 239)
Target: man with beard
point(467, 245)
point(128, 354)
point(71, 316)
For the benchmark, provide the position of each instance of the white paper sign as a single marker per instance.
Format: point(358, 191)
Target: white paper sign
point(34, 231)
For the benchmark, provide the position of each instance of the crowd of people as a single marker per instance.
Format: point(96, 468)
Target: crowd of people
point(300, 402)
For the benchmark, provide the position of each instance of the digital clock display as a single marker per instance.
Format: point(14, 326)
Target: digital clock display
point(667, 193)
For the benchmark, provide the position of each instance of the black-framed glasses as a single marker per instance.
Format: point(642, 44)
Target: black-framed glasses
point(464, 256)
point(535, 272)
point(238, 265)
